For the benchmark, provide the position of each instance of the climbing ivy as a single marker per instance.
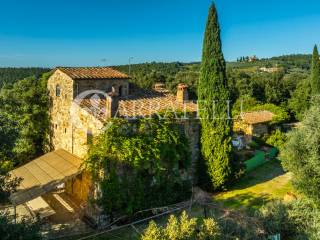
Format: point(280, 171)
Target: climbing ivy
point(140, 164)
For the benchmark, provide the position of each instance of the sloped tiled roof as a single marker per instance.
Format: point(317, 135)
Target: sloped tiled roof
point(44, 174)
point(257, 117)
point(139, 104)
point(93, 73)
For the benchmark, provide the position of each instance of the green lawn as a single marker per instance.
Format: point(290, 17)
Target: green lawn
point(263, 184)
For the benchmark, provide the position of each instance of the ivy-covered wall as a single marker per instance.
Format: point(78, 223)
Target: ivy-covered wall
point(142, 164)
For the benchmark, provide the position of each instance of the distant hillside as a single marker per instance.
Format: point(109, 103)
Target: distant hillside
point(302, 61)
point(11, 75)
point(146, 74)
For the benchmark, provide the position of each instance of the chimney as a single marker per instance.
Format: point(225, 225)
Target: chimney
point(112, 104)
point(182, 93)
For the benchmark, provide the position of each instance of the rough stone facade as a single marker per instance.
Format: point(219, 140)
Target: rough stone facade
point(192, 132)
point(258, 129)
point(60, 105)
point(73, 126)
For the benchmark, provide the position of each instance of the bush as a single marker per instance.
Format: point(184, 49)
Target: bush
point(184, 228)
point(300, 155)
point(296, 220)
point(25, 230)
point(277, 139)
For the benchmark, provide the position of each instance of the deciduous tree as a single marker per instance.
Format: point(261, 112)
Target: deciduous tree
point(300, 154)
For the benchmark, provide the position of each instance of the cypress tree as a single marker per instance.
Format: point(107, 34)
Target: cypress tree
point(315, 72)
point(213, 95)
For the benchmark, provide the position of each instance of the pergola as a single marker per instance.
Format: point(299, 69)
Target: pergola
point(44, 174)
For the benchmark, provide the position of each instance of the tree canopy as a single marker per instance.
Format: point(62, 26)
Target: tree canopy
point(213, 96)
point(300, 154)
point(24, 119)
point(315, 72)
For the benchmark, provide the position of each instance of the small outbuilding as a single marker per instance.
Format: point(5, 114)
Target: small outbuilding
point(253, 123)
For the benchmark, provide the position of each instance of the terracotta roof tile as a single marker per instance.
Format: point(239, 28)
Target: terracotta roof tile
point(92, 73)
point(257, 117)
point(141, 104)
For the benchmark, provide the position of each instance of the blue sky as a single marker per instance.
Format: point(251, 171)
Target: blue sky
point(108, 32)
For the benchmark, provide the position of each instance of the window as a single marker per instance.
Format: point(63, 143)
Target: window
point(58, 91)
point(89, 137)
point(65, 130)
point(120, 91)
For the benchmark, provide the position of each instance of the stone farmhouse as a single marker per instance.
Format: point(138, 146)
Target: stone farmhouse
point(253, 124)
point(81, 101)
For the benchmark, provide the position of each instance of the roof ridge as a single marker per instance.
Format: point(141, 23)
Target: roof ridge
point(97, 72)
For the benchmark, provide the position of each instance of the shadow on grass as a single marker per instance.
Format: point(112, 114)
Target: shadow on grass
point(244, 200)
point(264, 173)
point(256, 188)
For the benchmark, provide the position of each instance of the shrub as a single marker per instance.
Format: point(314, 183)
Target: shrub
point(184, 228)
point(296, 220)
point(300, 154)
point(277, 139)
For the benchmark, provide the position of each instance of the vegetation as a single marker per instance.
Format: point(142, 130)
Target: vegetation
point(315, 72)
point(300, 154)
point(9, 76)
point(8, 185)
point(24, 230)
point(24, 120)
point(145, 75)
point(248, 104)
point(266, 183)
point(213, 95)
point(296, 220)
point(300, 99)
point(143, 165)
point(277, 139)
point(184, 228)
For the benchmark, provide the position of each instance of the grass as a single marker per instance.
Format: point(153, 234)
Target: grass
point(266, 183)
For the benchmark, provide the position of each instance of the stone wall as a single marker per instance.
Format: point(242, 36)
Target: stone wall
point(240, 126)
point(71, 124)
point(121, 86)
point(61, 133)
point(80, 187)
point(84, 124)
point(250, 129)
point(259, 130)
point(192, 132)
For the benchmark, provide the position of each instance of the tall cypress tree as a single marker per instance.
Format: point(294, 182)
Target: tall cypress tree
point(213, 95)
point(315, 72)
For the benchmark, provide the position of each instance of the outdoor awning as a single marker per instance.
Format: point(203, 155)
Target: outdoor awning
point(44, 174)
